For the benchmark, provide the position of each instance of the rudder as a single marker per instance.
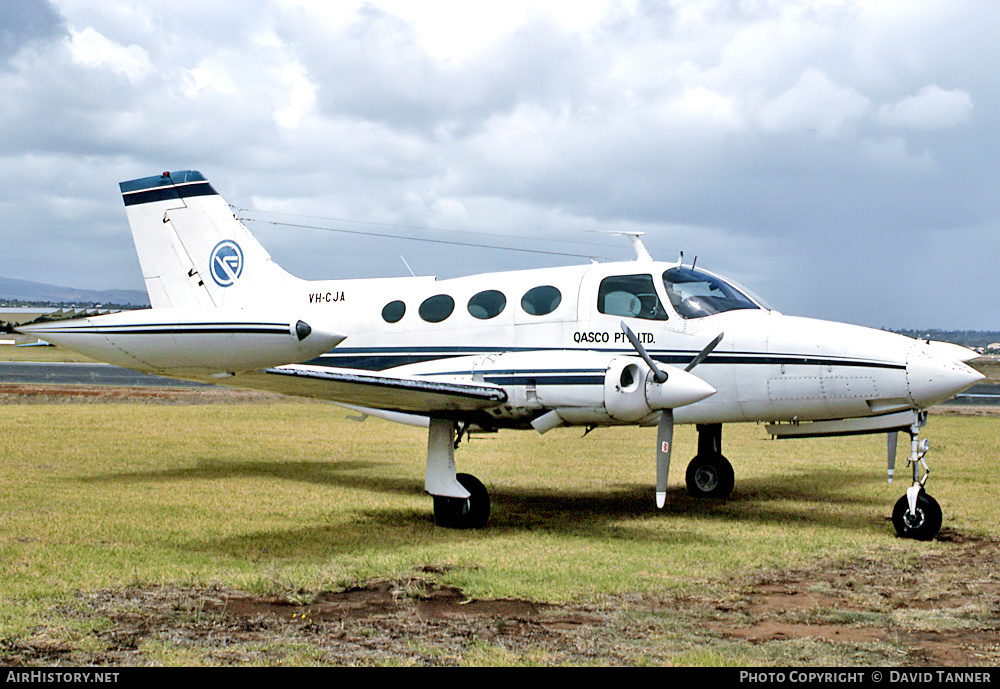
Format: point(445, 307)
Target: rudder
point(192, 249)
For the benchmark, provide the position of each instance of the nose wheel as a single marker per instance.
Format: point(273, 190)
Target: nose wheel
point(921, 523)
point(917, 515)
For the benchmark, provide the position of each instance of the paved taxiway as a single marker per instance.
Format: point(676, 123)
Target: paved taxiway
point(37, 373)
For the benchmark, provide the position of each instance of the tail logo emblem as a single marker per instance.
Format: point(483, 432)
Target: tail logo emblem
point(226, 263)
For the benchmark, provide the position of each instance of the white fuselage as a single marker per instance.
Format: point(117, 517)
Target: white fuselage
point(768, 366)
point(627, 343)
point(552, 339)
point(506, 348)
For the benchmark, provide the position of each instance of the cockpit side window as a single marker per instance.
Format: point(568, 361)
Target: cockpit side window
point(633, 296)
point(694, 293)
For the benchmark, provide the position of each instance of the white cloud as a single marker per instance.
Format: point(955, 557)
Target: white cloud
point(931, 108)
point(211, 74)
point(91, 49)
point(763, 129)
point(298, 97)
point(815, 103)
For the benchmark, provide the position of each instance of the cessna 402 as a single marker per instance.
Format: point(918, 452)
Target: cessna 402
point(623, 343)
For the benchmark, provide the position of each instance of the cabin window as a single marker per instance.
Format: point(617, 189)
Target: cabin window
point(539, 301)
point(435, 309)
point(393, 311)
point(633, 296)
point(487, 304)
point(694, 293)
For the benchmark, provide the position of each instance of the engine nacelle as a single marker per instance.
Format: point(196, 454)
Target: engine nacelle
point(571, 387)
point(631, 392)
point(625, 385)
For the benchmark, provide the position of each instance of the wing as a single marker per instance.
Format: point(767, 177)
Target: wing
point(373, 389)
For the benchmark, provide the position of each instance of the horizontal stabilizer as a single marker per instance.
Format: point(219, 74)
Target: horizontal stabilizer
point(190, 342)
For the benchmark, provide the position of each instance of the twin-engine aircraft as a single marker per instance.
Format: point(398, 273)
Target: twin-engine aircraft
point(640, 342)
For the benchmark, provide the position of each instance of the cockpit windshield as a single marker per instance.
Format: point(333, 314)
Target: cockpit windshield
point(694, 293)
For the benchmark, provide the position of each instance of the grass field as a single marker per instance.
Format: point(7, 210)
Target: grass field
point(290, 499)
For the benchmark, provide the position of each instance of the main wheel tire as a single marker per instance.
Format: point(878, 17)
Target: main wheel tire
point(472, 512)
point(922, 525)
point(710, 476)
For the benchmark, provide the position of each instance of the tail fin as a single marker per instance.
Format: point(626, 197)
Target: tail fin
point(192, 249)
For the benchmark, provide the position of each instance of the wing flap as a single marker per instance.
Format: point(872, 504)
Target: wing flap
point(378, 390)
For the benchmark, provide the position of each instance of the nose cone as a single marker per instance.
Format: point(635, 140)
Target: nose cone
point(679, 389)
point(932, 378)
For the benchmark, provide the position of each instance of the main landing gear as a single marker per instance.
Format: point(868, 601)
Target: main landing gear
point(472, 512)
point(461, 501)
point(916, 515)
point(710, 475)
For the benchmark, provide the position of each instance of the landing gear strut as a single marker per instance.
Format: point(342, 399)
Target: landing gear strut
point(916, 514)
point(461, 501)
point(710, 475)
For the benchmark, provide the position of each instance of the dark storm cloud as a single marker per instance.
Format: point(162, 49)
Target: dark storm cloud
point(23, 22)
point(837, 156)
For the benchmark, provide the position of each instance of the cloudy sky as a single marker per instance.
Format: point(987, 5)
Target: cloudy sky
point(839, 157)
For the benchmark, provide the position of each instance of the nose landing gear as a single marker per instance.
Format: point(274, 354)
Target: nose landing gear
point(917, 515)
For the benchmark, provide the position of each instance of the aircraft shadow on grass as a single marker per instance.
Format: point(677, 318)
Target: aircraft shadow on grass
point(621, 511)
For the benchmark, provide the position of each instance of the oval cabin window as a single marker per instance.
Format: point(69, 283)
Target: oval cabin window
point(539, 301)
point(435, 309)
point(487, 304)
point(393, 311)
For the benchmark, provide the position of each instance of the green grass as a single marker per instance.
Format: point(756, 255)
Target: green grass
point(46, 354)
point(293, 498)
point(294, 495)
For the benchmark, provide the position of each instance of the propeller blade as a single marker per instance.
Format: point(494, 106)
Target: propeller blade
point(703, 354)
point(893, 436)
point(664, 444)
point(659, 375)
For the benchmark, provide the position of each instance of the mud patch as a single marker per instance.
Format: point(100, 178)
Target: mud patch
point(937, 608)
point(941, 608)
point(421, 599)
point(411, 622)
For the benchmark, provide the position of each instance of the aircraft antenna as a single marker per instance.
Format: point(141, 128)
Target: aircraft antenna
point(407, 265)
point(640, 251)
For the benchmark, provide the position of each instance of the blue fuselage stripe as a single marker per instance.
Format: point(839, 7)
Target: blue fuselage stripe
point(381, 358)
point(170, 329)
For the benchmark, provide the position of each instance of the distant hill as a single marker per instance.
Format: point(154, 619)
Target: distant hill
point(26, 291)
point(966, 338)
